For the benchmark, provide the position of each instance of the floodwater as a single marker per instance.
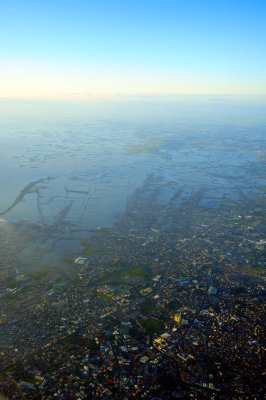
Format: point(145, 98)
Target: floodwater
point(86, 169)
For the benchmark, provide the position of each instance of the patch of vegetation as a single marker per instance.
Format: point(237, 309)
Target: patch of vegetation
point(261, 155)
point(173, 306)
point(148, 306)
point(14, 296)
point(104, 232)
point(254, 269)
point(122, 289)
point(239, 291)
point(39, 275)
point(84, 241)
point(130, 270)
point(149, 148)
point(74, 338)
point(231, 204)
point(69, 260)
point(203, 217)
point(10, 283)
point(152, 326)
point(42, 272)
point(60, 279)
point(103, 295)
point(162, 314)
point(92, 249)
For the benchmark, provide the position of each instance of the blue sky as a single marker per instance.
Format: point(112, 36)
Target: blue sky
point(78, 49)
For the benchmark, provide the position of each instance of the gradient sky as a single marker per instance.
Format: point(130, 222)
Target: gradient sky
point(83, 49)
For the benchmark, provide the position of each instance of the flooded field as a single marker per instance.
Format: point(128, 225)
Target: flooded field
point(63, 180)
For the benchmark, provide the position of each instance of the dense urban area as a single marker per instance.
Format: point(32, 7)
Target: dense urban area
point(167, 304)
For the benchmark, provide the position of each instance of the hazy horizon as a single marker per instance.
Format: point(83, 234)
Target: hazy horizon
point(190, 110)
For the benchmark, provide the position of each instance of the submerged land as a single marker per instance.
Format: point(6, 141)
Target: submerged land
point(166, 302)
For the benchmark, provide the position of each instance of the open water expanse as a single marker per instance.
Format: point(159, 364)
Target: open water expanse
point(71, 176)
